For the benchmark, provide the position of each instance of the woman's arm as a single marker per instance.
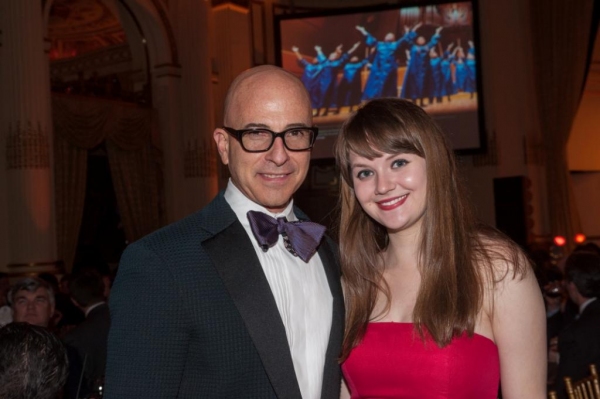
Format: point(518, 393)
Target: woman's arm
point(519, 328)
point(344, 393)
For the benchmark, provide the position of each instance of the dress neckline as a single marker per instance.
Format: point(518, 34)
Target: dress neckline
point(410, 323)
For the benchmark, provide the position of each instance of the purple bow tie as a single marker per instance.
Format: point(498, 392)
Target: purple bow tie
point(300, 238)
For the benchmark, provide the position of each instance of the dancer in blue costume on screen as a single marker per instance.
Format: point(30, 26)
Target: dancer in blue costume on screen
point(349, 88)
point(465, 77)
point(310, 76)
point(413, 87)
point(383, 78)
point(328, 78)
point(448, 86)
point(471, 82)
point(435, 79)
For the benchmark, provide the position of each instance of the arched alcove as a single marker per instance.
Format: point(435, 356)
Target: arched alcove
point(95, 46)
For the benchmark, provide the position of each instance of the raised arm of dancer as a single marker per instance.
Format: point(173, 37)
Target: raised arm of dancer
point(296, 51)
point(354, 47)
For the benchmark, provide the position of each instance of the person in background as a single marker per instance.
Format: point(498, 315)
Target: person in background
point(5, 311)
point(32, 301)
point(438, 306)
point(90, 337)
point(241, 299)
point(66, 315)
point(579, 342)
point(90, 258)
point(33, 362)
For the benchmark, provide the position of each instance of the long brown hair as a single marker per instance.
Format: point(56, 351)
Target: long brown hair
point(452, 249)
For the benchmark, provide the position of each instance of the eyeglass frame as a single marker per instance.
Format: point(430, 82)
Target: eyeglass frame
point(237, 134)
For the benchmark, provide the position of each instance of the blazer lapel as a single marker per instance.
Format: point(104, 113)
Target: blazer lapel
point(236, 262)
point(332, 372)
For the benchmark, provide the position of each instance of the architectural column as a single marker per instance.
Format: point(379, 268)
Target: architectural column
point(233, 54)
point(26, 176)
point(166, 91)
point(200, 183)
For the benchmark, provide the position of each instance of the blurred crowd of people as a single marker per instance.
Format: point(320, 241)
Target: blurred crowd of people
point(63, 325)
point(571, 286)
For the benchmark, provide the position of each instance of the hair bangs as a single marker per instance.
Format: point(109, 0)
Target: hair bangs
point(371, 133)
point(376, 129)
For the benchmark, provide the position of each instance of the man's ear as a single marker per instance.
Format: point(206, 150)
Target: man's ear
point(222, 139)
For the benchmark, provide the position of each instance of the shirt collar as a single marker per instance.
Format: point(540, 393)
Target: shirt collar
point(585, 304)
point(240, 204)
point(94, 306)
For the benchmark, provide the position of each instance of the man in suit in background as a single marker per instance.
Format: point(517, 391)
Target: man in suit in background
point(89, 338)
point(220, 304)
point(579, 343)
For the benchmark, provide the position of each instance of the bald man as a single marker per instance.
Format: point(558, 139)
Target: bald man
point(203, 308)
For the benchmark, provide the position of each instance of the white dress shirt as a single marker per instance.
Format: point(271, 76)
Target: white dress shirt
point(302, 295)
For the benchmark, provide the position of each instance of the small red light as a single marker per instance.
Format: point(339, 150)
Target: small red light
point(579, 238)
point(560, 241)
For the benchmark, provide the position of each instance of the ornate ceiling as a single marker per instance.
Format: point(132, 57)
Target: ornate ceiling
point(77, 27)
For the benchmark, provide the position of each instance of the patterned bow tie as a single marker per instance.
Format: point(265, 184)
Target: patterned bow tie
point(300, 238)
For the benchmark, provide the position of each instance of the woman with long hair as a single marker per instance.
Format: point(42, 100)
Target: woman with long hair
point(437, 305)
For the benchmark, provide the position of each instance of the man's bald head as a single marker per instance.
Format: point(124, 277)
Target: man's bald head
point(257, 77)
point(265, 98)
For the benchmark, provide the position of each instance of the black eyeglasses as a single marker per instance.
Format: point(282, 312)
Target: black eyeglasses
point(261, 139)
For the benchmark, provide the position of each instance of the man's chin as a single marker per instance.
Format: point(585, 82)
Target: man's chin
point(276, 200)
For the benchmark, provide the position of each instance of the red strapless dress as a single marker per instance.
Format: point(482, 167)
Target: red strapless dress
point(392, 361)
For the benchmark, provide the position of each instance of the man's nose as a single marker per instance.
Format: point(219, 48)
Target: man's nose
point(278, 154)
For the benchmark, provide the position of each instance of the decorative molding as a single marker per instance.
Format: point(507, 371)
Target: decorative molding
point(200, 159)
point(231, 6)
point(59, 264)
point(167, 70)
point(33, 269)
point(107, 57)
point(27, 147)
point(168, 29)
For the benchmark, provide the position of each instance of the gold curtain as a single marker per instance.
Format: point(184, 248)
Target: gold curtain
point(560, 39)
point(83, 123)
point(70, 168)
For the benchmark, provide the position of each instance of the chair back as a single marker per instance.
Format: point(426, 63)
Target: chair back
point(585, 388)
